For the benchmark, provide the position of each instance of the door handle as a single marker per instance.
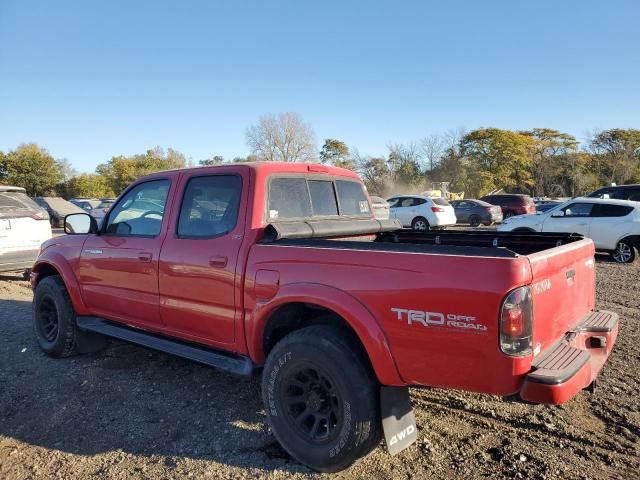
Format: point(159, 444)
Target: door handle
point(145, 256)
point(218, 262)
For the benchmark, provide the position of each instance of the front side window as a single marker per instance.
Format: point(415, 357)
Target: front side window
point(140, 211)
point(210, 206)
point(578, 210)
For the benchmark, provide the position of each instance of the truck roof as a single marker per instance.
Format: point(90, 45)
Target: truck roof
point(277, 167)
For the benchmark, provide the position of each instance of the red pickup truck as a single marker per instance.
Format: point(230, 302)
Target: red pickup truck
point(282, 269)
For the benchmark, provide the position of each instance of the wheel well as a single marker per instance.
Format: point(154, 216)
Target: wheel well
point(45, 270)
point(294, 316)
point(633, 240)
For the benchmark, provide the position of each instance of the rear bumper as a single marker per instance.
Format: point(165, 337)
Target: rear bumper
point(572, 364)
point(18, 260)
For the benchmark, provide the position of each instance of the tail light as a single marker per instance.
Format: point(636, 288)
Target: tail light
point(40, 216)
point(516, 323)
point(437, 209)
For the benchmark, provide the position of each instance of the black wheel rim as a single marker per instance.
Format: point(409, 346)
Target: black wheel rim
point(313, 404)
point(48, 319)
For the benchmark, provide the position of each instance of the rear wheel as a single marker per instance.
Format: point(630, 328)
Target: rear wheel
point(420, 224)
point(321, 399)
point(54, 322)
point(625, 252)
point(474, 221)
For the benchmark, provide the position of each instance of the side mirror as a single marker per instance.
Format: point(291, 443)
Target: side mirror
point(559, 213)
point(80, 224)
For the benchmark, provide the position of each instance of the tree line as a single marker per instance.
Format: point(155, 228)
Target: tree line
point(539, 162)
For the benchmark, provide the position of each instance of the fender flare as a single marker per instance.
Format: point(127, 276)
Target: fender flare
point(61, 264)
point(359, 318)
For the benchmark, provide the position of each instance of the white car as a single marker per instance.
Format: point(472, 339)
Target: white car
point(23, 228)
point(421, 213)
point(614, 225)
point(379, 207)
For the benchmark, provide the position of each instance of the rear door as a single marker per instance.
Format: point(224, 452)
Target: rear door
point(198, 282)
point(119, 267)
point(608, 224)
point(576, 219)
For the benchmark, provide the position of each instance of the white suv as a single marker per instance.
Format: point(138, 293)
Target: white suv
point(23, 228)
point(420, 212)
point(614, 225)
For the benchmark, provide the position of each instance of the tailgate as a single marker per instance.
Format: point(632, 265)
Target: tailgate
point(563, 290)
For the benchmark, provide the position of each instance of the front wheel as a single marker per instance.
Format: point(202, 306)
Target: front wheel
point(54, 322)
point(321, 399)
point(420, 224)
point(625, 252)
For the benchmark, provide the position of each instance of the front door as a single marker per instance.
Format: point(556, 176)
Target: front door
point(576, 219)
point(119, 267)
point(198, 282)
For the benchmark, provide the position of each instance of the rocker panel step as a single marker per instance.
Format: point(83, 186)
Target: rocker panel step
point(236, 364)
point(558, 365)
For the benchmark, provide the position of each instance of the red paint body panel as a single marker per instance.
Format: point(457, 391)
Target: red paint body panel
point(222, 292)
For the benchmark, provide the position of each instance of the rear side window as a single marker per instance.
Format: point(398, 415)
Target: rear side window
point(632, 194)
point(605, 210)
point(323, 198)
point(209, 206)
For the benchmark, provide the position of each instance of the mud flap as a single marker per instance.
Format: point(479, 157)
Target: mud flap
point(398, 421)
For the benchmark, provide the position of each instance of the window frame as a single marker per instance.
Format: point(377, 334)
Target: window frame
point(184, 192)
point(105, 222)
point(267, 219)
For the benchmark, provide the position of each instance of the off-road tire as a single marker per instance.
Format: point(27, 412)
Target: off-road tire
point(344, 390)
point(54, 322)
point(417, 223)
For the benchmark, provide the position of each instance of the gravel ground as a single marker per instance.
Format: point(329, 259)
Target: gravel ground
point(132, 413)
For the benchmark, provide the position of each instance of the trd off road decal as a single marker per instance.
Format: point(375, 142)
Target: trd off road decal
point(436, 319)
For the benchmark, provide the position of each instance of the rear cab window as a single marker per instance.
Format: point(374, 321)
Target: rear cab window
point(303, 197)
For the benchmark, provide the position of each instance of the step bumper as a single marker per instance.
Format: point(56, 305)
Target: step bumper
point(572, 364)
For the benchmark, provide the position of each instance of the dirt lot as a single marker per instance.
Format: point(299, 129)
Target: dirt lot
point(132, 413)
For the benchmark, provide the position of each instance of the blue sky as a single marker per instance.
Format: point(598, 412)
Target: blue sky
point(89, 80)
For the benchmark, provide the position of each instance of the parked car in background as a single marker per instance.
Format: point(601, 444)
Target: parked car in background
point(86, 204)
point(619, 192)
point(614, 225)
point(23, 228)
point(379, 207)
point(546, 205)
point(57, 208)
point(511, 204)
point(476, 212)
point(101, 210)
point(421, 213)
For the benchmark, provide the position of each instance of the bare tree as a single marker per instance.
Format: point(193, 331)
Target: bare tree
point(284, 138)
point(433, 148)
